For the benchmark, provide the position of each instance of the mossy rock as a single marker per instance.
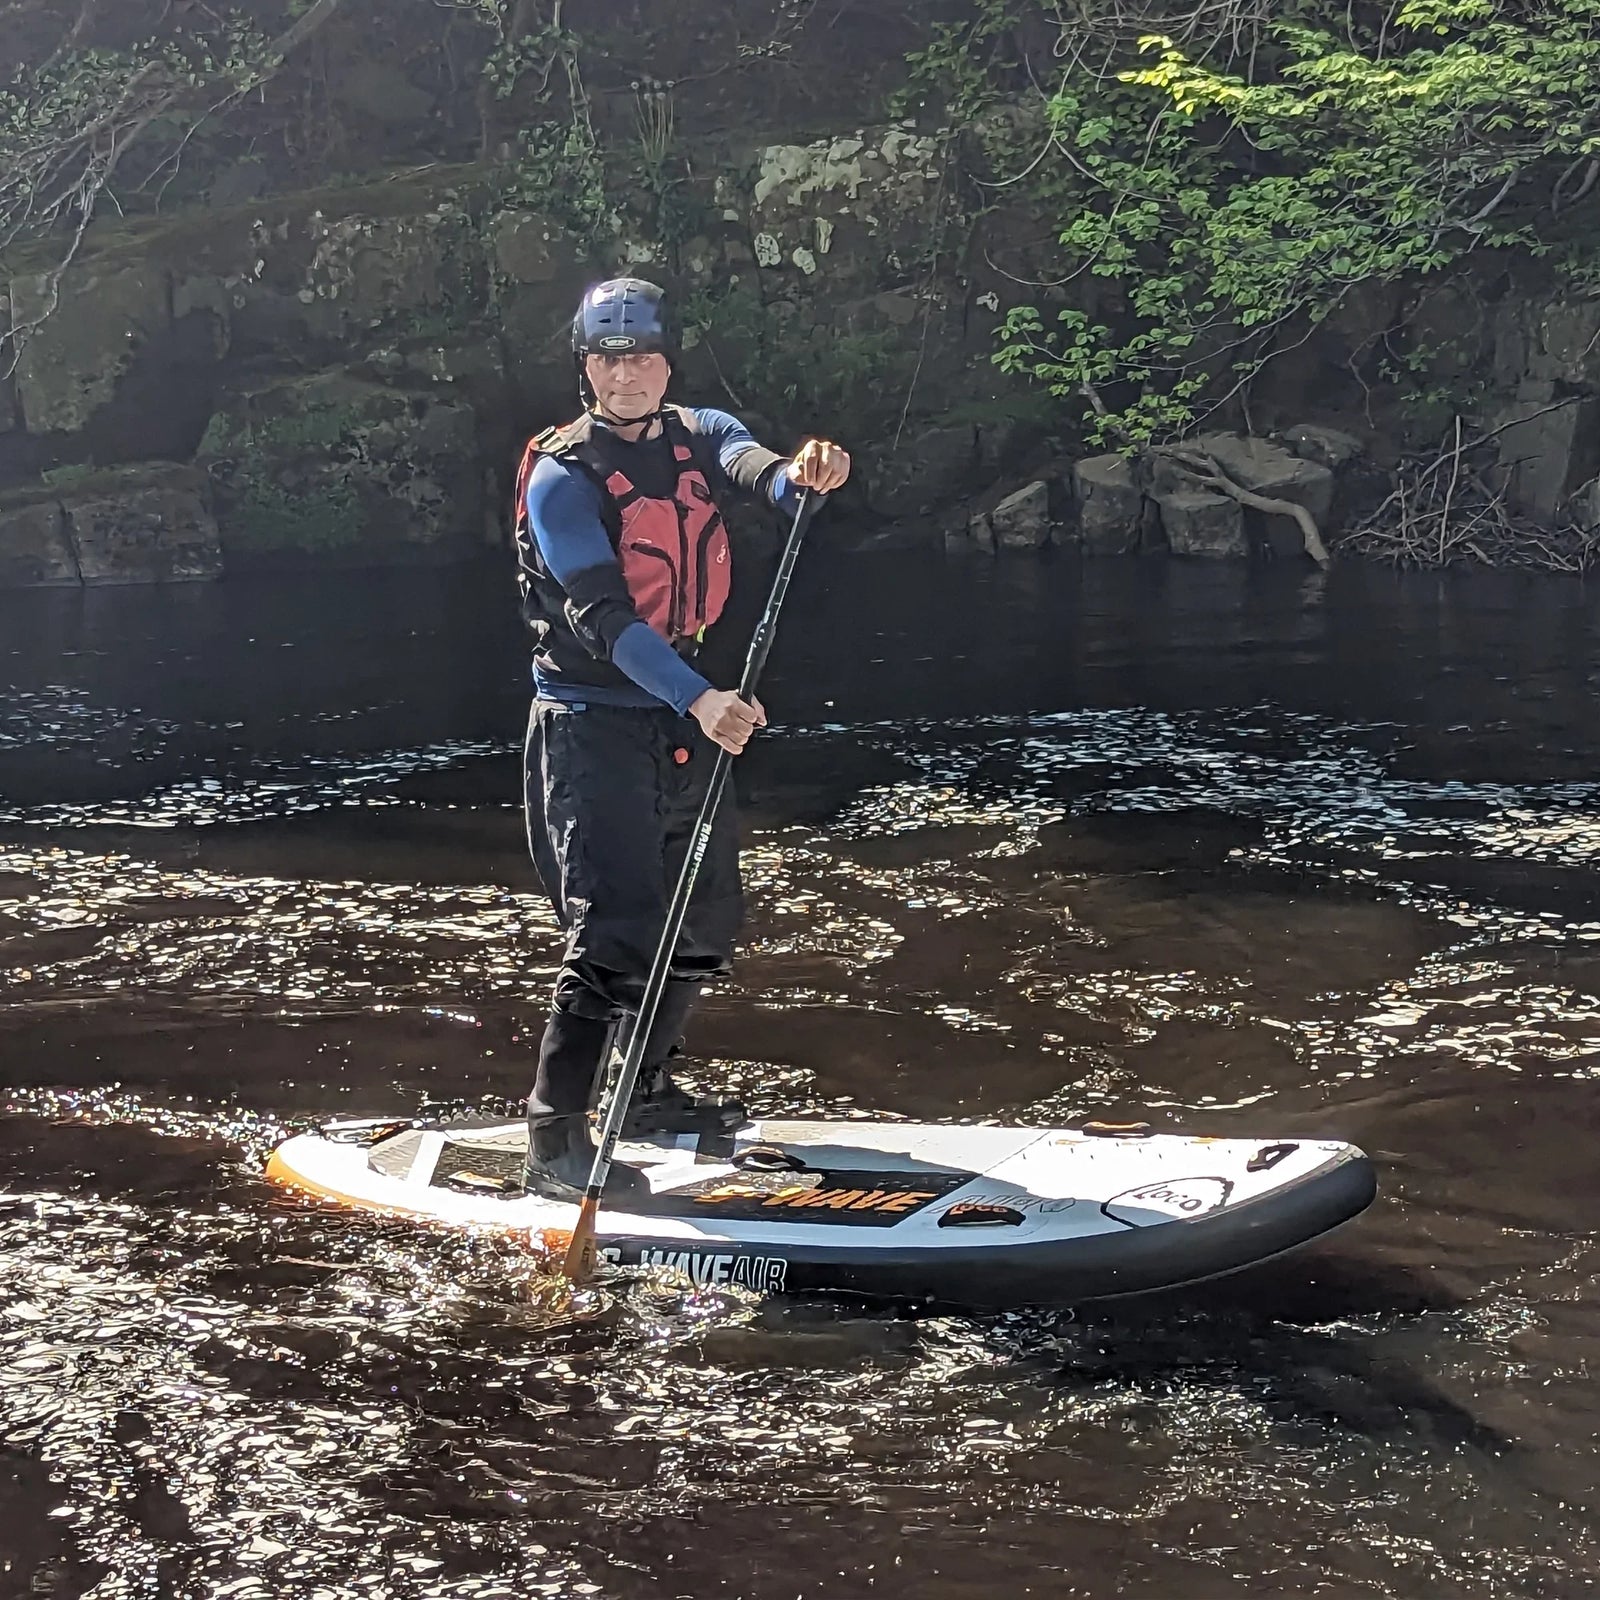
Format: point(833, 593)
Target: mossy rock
point(339, 469)
point(114, 525)
point(83, 335)
point(325, 273)
point(34, 548)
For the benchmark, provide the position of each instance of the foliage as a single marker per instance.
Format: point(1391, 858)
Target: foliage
point(529, 45)
point(268, 516)
point(657, 172)
point(560, 172)
point(317, 424)
point(1213, 212)
point(964, 64)
point(857, 380)
point(64, 128)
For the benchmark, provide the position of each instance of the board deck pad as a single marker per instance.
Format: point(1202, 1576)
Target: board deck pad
point(853, 1197)
point(858, 1198)
point(960, 1214)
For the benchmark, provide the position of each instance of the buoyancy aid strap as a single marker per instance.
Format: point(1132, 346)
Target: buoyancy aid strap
point(689, 444)
point(620, 491)
point(560, 441)
point(573, 441)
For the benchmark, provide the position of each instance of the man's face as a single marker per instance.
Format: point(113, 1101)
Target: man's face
point(628, 387)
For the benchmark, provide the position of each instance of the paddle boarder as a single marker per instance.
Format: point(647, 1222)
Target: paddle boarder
point(624, 564)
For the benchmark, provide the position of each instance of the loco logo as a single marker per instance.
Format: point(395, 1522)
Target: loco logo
point(1168, 1197)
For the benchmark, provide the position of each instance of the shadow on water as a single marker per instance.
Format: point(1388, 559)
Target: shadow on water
point(1239, 851)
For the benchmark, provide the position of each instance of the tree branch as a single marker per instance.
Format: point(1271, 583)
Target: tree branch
point(1207, 470)
point(64, 171)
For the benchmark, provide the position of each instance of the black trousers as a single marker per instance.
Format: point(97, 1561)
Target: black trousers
point(611, 795)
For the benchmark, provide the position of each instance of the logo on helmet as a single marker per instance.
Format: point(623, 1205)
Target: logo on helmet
point(616, 341)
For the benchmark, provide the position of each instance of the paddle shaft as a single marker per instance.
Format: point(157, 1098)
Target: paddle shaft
point(578, 1259)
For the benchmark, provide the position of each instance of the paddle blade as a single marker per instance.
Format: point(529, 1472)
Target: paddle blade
point(578, 1263)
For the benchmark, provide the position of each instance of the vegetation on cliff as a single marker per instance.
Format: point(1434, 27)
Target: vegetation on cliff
point(1228, 186)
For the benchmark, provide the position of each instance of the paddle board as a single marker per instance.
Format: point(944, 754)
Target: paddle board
point(901, 1210)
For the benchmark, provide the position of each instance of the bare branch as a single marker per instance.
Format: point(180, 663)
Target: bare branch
point(1559, 199)
point(61, 172)
point(1209, 472)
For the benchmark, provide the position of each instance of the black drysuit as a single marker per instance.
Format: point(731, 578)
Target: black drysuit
point(613, 776)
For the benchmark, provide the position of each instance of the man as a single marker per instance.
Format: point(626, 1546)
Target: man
point(624, 564)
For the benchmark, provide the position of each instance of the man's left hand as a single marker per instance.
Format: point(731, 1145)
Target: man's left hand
point(819, 465)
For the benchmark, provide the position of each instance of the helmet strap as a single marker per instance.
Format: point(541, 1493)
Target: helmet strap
point(644, 422)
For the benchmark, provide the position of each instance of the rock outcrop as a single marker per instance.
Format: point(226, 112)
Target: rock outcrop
point(333, 469)
point(1200, 523)
point(1022, 520)
point(1176, 498)
point(142, 524)
point(1110, 505)
point(34, 548)
point(353, 368)
point(1260, 466)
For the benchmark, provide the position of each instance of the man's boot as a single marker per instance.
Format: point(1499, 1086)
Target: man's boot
point(561, 1150)
point(561, 1154)
point(661, 1106)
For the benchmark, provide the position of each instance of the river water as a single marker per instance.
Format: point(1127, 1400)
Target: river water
point(1239, 851)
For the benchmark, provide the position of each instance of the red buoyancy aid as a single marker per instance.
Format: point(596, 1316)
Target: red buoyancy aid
point(673, 552)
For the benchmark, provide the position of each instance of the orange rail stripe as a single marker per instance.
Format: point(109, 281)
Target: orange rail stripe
point(552, 1241)
point(280, 1172)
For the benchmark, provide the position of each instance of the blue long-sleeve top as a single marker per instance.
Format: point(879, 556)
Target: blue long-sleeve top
point(564, 519)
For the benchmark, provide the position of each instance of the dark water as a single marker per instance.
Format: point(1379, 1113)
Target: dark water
point(1242, 852)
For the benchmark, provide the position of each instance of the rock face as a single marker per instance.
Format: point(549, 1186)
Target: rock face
point(1583, 509)
point(536, 275)
point(333, 469)
point(124, 525)
point(452, 288)
point(928, 471)
point(349, 364)
point(1268, 469)
point(34, 547)
point(1199, 523)
point(81, 336)
point(1329, 447)
point(1543, 365)
point(1022, 520)
point(1549, 446)
point(1110, 505)
point(323, 275)
point(144, 525)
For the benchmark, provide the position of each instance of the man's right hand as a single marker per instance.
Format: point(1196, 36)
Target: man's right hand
point(727, 720)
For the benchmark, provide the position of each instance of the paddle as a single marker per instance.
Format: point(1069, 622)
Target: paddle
point(579, 1259)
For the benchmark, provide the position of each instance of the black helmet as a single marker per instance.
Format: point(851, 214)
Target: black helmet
point(624, 316)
